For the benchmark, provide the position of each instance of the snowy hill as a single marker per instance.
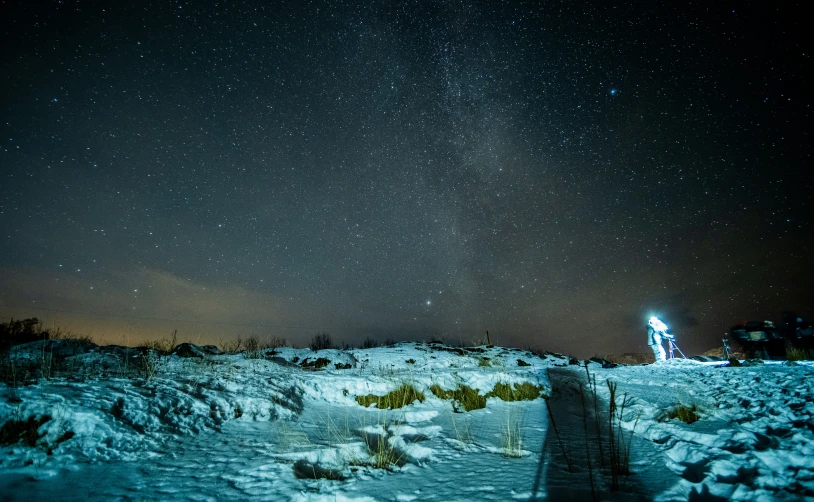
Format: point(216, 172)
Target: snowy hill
point(406, 422)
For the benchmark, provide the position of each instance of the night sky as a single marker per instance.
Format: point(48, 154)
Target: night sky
point(554, 173)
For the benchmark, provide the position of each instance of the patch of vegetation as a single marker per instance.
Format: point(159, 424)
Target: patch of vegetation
point(25, 431)
point(469, 398)
point(795, 354)
point(687, 414)
point(525, 391)
point(483, 362)
point(21, 331)
point(165, 346)
point(316, 364)
point(370, 343)
point(321, 341)
point(231, 346)
point(380, 446)
point(152, 363)
point(404, 395)
point(345, 366)
point(410, 361)
point(254, 349)
point(521, 362)
point(511, 437)
point(276, 342)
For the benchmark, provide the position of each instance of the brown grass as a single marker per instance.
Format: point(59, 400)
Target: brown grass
point(399, 398)
point(687, 414)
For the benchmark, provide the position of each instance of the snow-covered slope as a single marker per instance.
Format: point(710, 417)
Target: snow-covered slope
point(288, 426)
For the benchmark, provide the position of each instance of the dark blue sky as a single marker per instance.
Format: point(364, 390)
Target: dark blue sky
point(552, 172)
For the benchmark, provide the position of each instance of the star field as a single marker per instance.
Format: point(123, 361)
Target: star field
point(551, 172)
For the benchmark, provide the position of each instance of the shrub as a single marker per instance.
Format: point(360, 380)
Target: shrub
point(404, 395)
point(231, 346)
point(19, 332)
point(687, 414)
point(321, 341)
point(253, 348)
point(275, 342)
point(252, 344)
point(370, 343)
point(317, 363)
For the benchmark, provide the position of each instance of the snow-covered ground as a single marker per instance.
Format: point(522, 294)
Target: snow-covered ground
point(276, 428)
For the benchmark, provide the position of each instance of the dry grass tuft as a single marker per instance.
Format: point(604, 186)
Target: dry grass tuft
point(469, 398)
point(525, 391)
point(399, 398)
point(795, 354)
point(687, 414)
point(164, 346)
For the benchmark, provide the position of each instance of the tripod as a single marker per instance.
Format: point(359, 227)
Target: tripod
point(671, 345)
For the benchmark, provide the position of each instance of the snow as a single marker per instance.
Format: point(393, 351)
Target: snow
point(224, 426)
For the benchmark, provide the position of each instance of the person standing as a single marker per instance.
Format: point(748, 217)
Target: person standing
point(656, 331)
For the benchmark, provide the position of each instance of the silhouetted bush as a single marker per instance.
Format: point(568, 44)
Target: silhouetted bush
point(370, 343)
point(19, 332)
point(321, 341)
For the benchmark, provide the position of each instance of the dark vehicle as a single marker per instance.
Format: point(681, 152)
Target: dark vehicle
point(766, 340)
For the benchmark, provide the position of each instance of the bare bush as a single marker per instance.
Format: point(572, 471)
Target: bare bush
point(321, 341)
point(231, 346)
point(276, 342)
point(370, 343)
point(164, 346)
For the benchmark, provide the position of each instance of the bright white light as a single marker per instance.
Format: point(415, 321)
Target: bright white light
point(656, 324)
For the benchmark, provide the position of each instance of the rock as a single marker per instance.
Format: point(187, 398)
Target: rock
point(189, 350)
point(604, 362)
